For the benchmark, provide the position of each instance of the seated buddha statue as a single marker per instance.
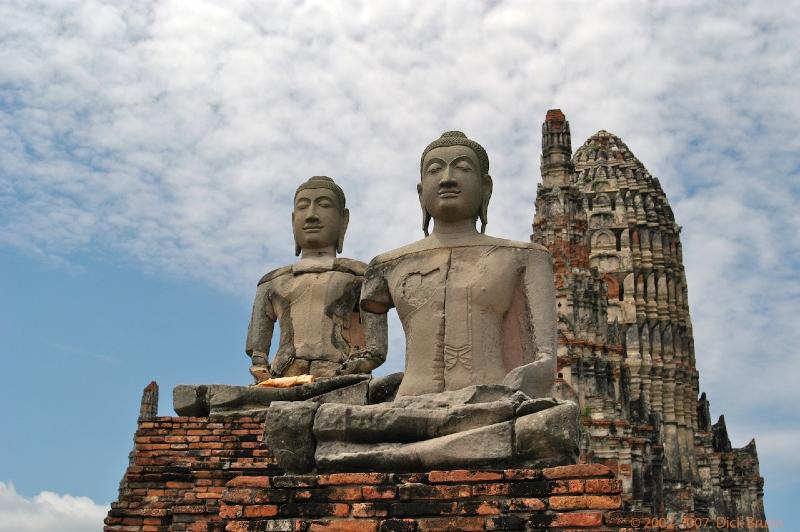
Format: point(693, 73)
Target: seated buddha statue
point(315, 300)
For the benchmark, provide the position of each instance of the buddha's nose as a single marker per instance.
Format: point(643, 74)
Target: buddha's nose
point(311, 215)
point(447, 180)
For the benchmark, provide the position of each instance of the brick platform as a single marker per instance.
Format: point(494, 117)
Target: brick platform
point(201, 474)
point(516, 499)
point(179, 468)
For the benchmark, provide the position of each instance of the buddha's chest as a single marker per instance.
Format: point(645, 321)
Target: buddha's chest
point(311, 296)
point(455, 282)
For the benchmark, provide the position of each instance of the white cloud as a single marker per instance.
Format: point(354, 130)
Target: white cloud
point(174, 134)
point(48, 512)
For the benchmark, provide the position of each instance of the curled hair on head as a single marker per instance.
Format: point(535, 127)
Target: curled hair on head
point(457, 138)
point(323, 181)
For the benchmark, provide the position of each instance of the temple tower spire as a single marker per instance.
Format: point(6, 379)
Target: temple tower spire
point(556, 164)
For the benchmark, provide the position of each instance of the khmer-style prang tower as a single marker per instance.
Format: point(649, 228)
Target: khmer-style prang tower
point(625, 335)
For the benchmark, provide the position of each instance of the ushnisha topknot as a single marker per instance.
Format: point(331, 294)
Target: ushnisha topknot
point(323, 181)
point(457, 138)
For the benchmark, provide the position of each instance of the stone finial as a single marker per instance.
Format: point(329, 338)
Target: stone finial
point(556, 164)
point(721, 442)
point(555, 117)
point(149, 407)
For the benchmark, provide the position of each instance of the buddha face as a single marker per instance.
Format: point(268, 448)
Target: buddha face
point(318, 221)
point(452, 187)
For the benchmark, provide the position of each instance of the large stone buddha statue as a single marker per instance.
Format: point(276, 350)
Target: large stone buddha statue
point(479, 318)
point(473, 307)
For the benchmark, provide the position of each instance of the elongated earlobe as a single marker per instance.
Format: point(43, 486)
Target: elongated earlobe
point(345, 223)
point(426, 217)
point(487, 195)
point(296, 249)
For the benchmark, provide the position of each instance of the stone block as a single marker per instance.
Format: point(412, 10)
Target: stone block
point(383, 389)
point(287, 432)
point(547, 438)
point(228, 401)
point(480, 447)
point(391, 423)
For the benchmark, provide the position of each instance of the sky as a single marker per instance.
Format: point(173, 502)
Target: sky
point(149, 151)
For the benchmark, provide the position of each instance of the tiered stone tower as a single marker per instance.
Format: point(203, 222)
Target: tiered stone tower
point(625, 345)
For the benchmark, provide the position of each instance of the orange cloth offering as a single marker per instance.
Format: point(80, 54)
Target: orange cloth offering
point(287, 382)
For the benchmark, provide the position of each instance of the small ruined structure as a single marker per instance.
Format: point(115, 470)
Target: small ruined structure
point(625, 336)
point(522, 359)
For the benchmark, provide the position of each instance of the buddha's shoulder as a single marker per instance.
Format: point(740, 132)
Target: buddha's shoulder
point(343, 265)
point(351, 266)
point(500, 243)
point(408, 249)
point(430, 244)
point(274, 274)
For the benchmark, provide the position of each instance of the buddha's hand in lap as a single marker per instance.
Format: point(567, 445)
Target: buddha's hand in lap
point(534, 379)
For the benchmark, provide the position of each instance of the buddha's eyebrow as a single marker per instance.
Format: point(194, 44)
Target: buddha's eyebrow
point(434, 160)
point(464, 158)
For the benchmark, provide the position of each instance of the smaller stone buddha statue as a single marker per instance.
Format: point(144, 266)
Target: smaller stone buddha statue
point(315, 300)
point(326, 342)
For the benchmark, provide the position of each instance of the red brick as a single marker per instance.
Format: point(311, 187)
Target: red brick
point(238, 495)
point(571, 502)
point(227, 512)
point(209, 495)
point(561, 487)
point(423, 491)
point(479, 508)
point(249, 482)
point(522, 474)
point(593, 519)
point(345, 525)
point(354, 478)
point(152, 447)
point(378, 492)
point(261, 510)
point(463, 475)
point(577, 471)
point(489, 490)
point(369, 509)
point(341, 493)
point(236, 526)
point(340, 510)
point(450, 524)
point(526, 504)
point(180, 485)
point(603, 485)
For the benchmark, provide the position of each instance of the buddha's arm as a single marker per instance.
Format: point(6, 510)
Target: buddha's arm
point(541, 297)
point(536, 379)
point(373, 354)
point(259, 333)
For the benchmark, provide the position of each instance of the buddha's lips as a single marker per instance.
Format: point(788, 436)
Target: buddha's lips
point(449, 193)
point(312, 228)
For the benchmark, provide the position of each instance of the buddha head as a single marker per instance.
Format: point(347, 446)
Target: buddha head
point(319, 217)
point(454, 180)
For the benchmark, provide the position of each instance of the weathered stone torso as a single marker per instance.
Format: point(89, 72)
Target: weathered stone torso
point(466, 310)
point(319, 320)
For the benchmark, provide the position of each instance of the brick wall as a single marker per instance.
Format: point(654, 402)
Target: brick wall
point(209, 475)
point(557, 498)
point(179, 468)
